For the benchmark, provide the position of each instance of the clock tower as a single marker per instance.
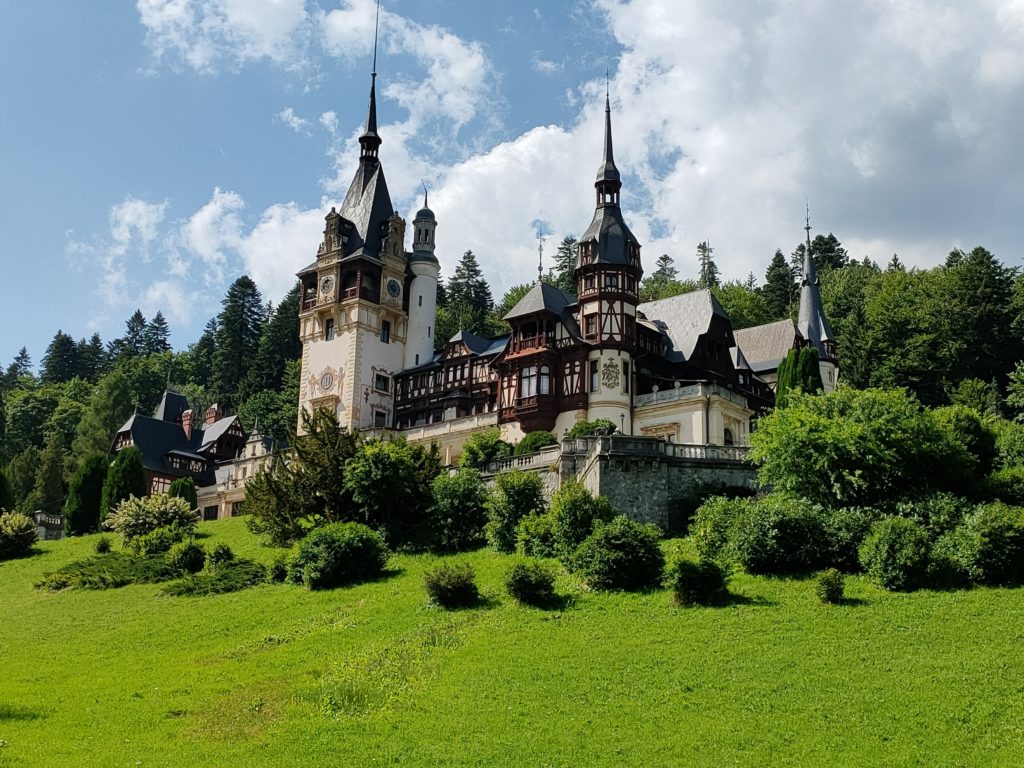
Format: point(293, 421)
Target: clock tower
point(354, 311)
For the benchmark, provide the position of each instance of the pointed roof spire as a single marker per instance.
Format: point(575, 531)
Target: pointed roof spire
point(370, 141)
point(811, 322)
point(608, 172)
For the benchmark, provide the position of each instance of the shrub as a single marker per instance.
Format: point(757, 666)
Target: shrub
point(683, 508)
point(937, 513)
point(277, 572)
point(845, 530)
point(17, 535)
point(712, 522)
point(159, 541)
point(1010, 444)
point(574, 513)
point(516, 495)
point(232, 576)
point(595, 427)
point(219, 555)
point(989, 546)
point(895, 554)
point(621, 554)
point(184, 488)
point(451, 585)
point(136, 517)
point(966, 427)
point(186, 556)
point(779, 534)
point(534, 442)
point(535, 536)
point(109, 571)
point(103, 545)
point(829, 586)
point(1006, 485)
point(531, 582)
point(483, 448)
point(125, 478)
point(338, 554)
point(695, 583)
point(457, 514)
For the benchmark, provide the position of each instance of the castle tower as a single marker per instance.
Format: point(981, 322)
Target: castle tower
point(811, 322)
point(607, 275)
point(419, 347)
point(353, 318)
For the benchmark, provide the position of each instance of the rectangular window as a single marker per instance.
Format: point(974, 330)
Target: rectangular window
point(611, 281)
point(595, 384)
point(160, 485)
point(210, 513)
point(382, 383)
point(625, 377)
point(421, 300)
point(380, 419)
point(528, 381)
point(385, 331)
point(329, 329)
point(588, 283)
point(590, 325)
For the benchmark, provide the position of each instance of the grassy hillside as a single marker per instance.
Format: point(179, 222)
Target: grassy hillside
point(372, 675)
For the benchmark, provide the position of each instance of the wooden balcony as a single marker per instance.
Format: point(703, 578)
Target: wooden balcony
point(529, 344)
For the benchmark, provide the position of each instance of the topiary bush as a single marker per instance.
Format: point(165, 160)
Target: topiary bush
point(531, 582)
point(338, 554)
point(451, 585)
point(159, 541)
point(695, 583)
point(895, 554)
point(535, 536)
point(779, 534)
point(516, 495)
point(219, 555)
point(102, 545)
point(186, 556)
point(621, 554)
point(988, 548)
point(457, 514)
point(575, 513)
point(135, 517)
point(17, 535)
point(829, 586)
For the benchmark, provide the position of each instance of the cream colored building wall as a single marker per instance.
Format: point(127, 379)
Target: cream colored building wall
point(611, 400)
point(682, 420)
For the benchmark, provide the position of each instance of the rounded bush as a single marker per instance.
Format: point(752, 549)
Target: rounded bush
point(17, 535)
point(989, 546)
point(103, 545)
point(457, 514)
point(845, 530)
point(135, 517)
point(895, 554)
point(219, 555)
point(622, 554)
point(451, 585)
point(936, 513)
point(277, 572)
point(695, 583)
point(575, 512)
point(711, 524)
point(516, 495)
point(1007, 485)
point(829, 586)
point(534, 442)
point(159, 541)
point(779, 534)
point(531, 582)
point(186, 556)
point(535, 536)
point(338, 554)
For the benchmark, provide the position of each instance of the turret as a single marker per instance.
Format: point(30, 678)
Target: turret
point(419, 347)
point(812, 323)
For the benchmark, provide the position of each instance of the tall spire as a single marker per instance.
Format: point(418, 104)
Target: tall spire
point(608, 181)
point(370, 141)
point(811, 321)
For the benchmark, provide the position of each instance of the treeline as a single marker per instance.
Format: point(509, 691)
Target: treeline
point(54, 422)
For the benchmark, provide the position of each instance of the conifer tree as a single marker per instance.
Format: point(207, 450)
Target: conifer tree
point(60, 362)
point(132, 344)
point(238, 336)
point(21, 474)
point(666, 269)
point(184, 488)
point(110, 405)
point(92, 358)
point(19, 368)
point(6, 497)
point(469, 296)
point(125, 477)
point(778, 286)
point(156, 337)
point(561, 274)
point(85, 493)
point(200, 355)
point(279, 343)
point(708, 277)
point(48, 493)
point(809, 371)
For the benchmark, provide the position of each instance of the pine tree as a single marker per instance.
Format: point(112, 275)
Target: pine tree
point(156, 337)
point(279, 343)
point(184, 488)
point(125, 477)
point(92, 358)
point(778, 286)
point(20, 368)
point(110, 405)
point(561, 274)
point(895, 265)
point(21, 474)
point(238, 336)
point(826, 253)
point(6, 497)
point(132, 343)
point(199, 356)
point(60, 362)
point(469, 296)
point(85, 493)
point(708, 269)
point(666, 269)
point(48, 493)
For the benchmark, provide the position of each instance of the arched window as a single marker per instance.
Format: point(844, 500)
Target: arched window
point(528, 381)
point(544, 387)
point(728, 439)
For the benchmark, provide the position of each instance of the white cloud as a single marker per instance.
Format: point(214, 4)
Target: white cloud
point(544, 66)
point(298, 124)
point(212, 231)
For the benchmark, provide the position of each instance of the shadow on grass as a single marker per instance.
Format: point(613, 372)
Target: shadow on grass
point(31, 552)
point(12, 712)
point(853, 602)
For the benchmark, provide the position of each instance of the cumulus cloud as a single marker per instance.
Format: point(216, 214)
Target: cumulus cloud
point(298, 124)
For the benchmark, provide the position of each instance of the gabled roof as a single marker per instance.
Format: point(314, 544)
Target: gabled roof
point(541, 298)
point(475, 344)
point(739, 362)
point(764, 346)
point(683, 319)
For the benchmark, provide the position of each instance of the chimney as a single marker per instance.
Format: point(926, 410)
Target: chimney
point(212, 414)
point(186, 423)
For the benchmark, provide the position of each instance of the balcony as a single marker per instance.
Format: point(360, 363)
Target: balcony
point(529, 344)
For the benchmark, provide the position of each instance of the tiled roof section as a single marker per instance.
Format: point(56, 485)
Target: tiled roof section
point(172, 405)
point(683, 319)
point(612, 235)
point(213, 433)
point(368, 206)
point(541, 298)
point(764, 346)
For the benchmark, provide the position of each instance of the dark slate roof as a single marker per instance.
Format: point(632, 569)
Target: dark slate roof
point(611, 233)
point(764, 346)
point(541, 298)
point(683, 319)
point(172, 405)
point(739, 362)
point(475, 344)
point(368, 206)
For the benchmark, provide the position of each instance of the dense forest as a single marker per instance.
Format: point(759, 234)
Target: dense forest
point(949, 334)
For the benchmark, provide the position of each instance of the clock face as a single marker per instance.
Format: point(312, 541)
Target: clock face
point(326, 285)
point(326, 381)
point(394, 288)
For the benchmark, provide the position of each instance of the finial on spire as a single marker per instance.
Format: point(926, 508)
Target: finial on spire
point(376, 26)
point(540, 255)
point(424, 193)
point(370, 141)
point(807, 219)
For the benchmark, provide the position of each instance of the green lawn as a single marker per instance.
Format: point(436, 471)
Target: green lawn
point(371, 675)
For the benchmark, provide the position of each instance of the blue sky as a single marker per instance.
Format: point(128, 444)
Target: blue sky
point(153, 152)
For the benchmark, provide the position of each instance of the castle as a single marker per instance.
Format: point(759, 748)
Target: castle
point(672, 369)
